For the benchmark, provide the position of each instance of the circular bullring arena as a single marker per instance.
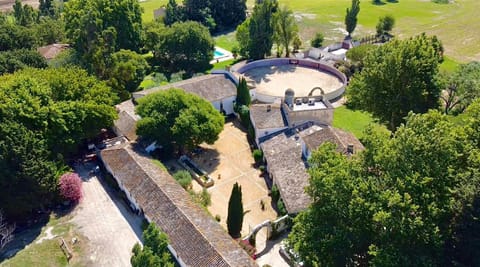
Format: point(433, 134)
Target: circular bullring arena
point(271, 77)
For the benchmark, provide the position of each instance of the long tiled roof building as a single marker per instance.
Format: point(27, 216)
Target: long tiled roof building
point(196, 238)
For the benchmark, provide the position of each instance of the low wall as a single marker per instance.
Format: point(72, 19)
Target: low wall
point(300, 62)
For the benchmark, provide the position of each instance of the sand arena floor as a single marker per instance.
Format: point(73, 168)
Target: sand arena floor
point(274, 80)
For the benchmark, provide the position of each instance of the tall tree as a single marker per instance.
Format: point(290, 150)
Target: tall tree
point(286, 28)
point(173, 13)
point(24, 15)
point(228, 13)
point(351, 17)
point(175, 117)
point(200, 11)
point(126, 72)
point(243, 93)
point(243, 38)
point(47, 8)
point(11, 61)
point(261, 29)
point(461, 87)
point(64, 105)
point(98, 28)
point(235, 212)
point(186, 46)
point(155, 251)
point(397, 78)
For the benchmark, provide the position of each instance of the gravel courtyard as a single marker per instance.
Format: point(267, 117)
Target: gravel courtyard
point(103, 218)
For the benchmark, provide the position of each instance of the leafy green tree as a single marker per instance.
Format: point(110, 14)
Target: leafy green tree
point(385, 25)
point(155, 251)
point(243, 93)
point(173, 13)
point(127, 72)
point(228, 13)
point(13, 37)
point(24, 15)
point(261, 29)
point(397, 78)
point(199, 11)
point(47, 8)
point(64, 105)
point(462, 87)
point(235, 212)
point(98, 28)
point(358, 54)
point(183, 119)
point(243, 38)
point(286, 28)
point(28, 174)
point(402, 202)
point(317, 40)
point(351, 16)
point(49, 31)
point(13, 60)
point(186, 46)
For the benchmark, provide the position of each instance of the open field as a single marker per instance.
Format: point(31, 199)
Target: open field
point(354, 121)
point(456, 24)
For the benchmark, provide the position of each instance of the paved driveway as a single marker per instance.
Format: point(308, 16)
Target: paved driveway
point(108, 225)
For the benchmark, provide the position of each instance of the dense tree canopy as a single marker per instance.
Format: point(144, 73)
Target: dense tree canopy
point(154, 252)
point(13, 60)
point(97, 28)
point(186, 46)
point(408, 200)
point(126, 72)
point(261, 29)
point(461, 87)
point(13, 36)
point(286, 28)
point(175, 117)
point(28, 173)
point(397, 78)
point(64, 105)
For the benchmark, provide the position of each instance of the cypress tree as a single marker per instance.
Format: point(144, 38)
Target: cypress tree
point(351, 16)
point(243, 94)
point(235, 212)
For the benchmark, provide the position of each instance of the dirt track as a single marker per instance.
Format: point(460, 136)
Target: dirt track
point(6, 5)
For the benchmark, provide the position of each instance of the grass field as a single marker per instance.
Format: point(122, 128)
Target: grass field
point(354, 121)
point(456, 24)
point(48, 252)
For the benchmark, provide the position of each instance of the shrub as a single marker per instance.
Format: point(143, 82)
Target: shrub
point(281, 207)
point(257, 155)
point(71, 187)
point(275, 194)
point(218, 218)
point(317, 40)
point(183, 178)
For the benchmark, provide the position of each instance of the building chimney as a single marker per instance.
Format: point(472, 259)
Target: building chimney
point(350, 149)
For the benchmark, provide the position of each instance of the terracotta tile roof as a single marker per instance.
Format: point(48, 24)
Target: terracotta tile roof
point(333, 135)
point(263, 118)
point(52, 51)
point(212, 87)
point(126, 124)
point(195, 236)
point(283, 154)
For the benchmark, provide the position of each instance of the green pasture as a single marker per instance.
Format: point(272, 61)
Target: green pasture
point(455, 24)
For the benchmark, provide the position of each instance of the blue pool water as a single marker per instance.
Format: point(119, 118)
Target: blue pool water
point(217, 53)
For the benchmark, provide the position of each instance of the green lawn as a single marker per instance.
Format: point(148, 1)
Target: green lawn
point(226, 41)
point(353, 121)
point(48, 253)
point(150, 5)
point(448, 64)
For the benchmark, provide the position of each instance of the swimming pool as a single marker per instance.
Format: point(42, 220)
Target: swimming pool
point(217, 54)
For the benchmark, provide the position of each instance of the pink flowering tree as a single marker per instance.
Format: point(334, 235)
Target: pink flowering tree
point(71, 187)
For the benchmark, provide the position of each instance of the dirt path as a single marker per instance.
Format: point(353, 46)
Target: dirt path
point(111, 229)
